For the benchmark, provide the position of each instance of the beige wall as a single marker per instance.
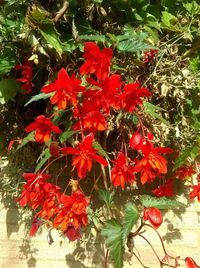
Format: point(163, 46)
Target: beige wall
point(181, 232)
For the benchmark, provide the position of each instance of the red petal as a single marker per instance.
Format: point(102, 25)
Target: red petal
point(70, 150)
point(190, 263)
point(63, 75)
point(163, 150)
point(100, 160)
point(10, 145)
point(87, 142)
point(35, 226)
point(31, 127)
point(135, 140)
point(56, 129)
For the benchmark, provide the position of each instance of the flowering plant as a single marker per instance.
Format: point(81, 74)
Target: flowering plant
point(86, 129)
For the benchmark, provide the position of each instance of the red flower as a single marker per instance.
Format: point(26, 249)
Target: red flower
point(122, 173)
point(107, 95)
point(35, 225)
point(137, 142)
point(91, 122)
point(26, 72)
point(43, 128)
point(154, 216)
point(50, 205)
point(195, 192)
point(131, 96)
point(97, 61)
point(33, 193)
point(184, 172)
point(90, 119)
point(190, 263)
point(72, 233)
point(72, 210)
point(152, 164)
point(85, 155)
point(165, 189)
point(65, 89)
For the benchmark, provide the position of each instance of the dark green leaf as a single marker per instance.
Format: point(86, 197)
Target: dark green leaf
point(160, 202)
point(8, 89)
point(41, 96)
point(42, 159)
point(7, 62)
point(97, 38)
point(131, 216)
point(112, 232)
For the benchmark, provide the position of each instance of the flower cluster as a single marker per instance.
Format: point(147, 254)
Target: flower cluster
point(93, 99)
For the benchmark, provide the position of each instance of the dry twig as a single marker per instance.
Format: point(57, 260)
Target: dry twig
point(62, 11)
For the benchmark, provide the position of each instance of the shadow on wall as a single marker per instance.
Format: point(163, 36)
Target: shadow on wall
point(10, 182)
point(28, 251)
point(88, 253)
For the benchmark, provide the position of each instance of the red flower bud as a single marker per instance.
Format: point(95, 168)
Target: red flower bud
point(72, 233)
point(154, 216)
point(54, 149)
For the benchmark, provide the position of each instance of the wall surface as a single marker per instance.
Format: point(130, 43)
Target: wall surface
point(181, 233)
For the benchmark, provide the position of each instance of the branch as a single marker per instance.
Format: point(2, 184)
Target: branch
point(62, 11)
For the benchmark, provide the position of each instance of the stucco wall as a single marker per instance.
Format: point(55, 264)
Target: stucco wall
point(181, 232)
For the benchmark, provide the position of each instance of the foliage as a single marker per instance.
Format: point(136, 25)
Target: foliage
point(101, 87)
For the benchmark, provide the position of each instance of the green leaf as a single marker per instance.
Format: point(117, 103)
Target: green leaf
point(58, 117)
point(52, 38)
point(160, 202)
point(112, 232)
point(8, 89)
point(168, 19)
point(97, 38)
point(65, 136)
point(29, 137)
point(192, 7)
point(38, 15)
point(39, 18)
point(133, 41)
point(183, 157)
point(42, 159)
point(151, 109)
point(99, 149)
point(7, 62)
point(41, 96)
point(131, 215)
point(106, 196)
